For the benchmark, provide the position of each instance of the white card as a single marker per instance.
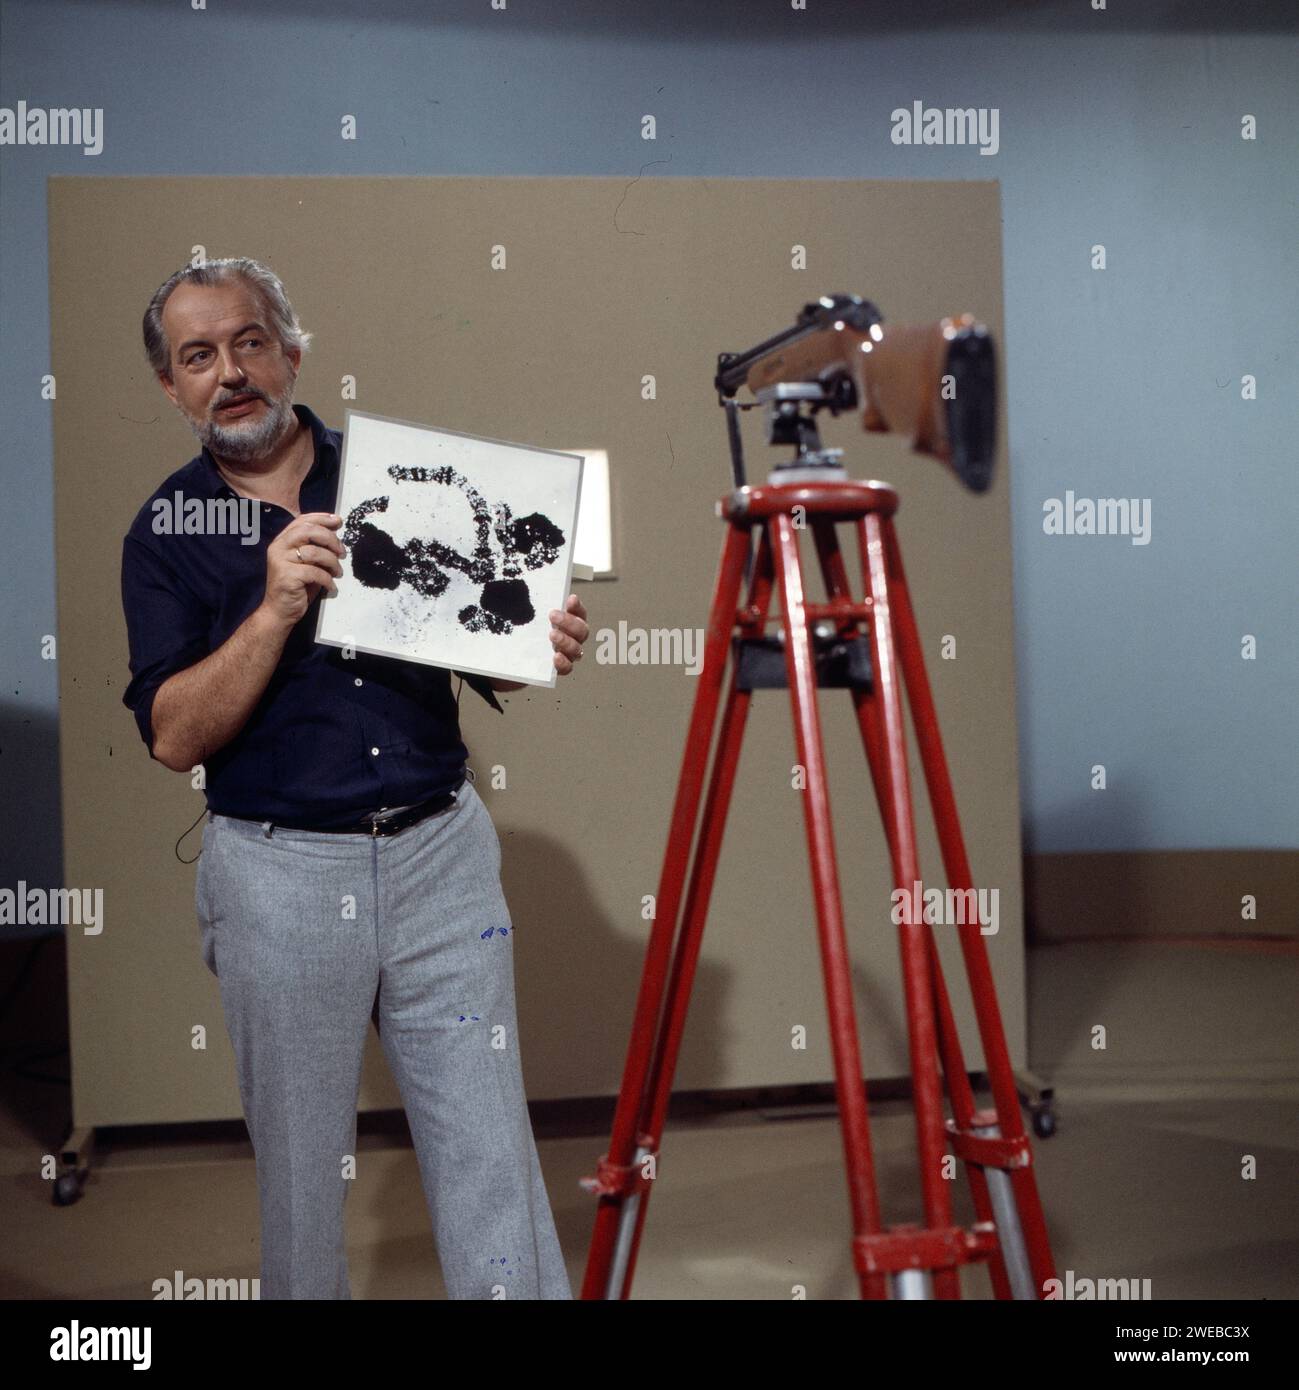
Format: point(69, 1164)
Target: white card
point(458, 548)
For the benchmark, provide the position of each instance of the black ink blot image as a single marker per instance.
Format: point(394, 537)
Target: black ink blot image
point(537, 539)
point(376, 559)
point(504, 602)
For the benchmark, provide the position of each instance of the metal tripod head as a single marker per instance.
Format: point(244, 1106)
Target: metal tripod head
point(783, 402)
point(785, 422)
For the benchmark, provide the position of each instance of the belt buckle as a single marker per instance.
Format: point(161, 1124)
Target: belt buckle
point(378, 818)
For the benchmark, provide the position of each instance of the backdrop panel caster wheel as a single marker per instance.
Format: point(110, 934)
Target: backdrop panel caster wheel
point(68, 1188)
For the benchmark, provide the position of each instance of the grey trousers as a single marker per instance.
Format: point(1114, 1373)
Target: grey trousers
point(303, 930)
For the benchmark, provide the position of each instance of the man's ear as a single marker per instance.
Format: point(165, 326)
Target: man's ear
point(165, 381)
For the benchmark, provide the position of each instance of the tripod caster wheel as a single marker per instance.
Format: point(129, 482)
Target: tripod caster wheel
point(1043, 1116)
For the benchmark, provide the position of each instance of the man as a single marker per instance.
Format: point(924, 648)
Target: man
point(349, 870)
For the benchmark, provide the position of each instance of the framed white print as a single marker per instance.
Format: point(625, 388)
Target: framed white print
point(458, 548)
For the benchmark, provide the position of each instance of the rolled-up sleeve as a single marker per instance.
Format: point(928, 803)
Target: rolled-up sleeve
point(166, 626)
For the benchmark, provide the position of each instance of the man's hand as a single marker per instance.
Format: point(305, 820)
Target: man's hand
point(567, 633)
point(300, 560)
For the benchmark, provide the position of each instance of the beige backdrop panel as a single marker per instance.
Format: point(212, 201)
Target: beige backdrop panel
point(608, 280)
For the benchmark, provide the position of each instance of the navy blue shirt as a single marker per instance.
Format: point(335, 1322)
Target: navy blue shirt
point(332, 737)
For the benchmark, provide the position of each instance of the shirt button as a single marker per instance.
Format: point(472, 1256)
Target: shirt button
point(358, 680)
point(375, 751)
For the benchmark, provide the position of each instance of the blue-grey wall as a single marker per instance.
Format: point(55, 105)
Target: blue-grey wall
point(1119, 127)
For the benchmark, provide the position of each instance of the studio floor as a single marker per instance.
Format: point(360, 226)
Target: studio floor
point(1145, 1178)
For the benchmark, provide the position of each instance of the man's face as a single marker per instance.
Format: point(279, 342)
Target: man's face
point(222, 352)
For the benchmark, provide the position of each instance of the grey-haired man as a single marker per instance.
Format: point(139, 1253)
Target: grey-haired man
point(349, 870)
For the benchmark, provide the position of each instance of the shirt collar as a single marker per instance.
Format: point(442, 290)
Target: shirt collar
point(326, 455)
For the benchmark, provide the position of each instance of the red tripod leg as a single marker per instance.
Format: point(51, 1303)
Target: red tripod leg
point(619, 1171)
point(866, 708)
point(1009, 1120)
point(916, 973)
point(735, 713)
point(836, 586)
point(836, 967)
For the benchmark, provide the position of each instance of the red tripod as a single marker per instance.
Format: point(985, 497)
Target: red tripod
point(823, 644)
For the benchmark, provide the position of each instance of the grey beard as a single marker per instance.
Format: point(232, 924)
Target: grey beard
point(251, 442)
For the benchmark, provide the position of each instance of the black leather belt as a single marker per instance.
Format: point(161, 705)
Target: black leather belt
point(380, 822)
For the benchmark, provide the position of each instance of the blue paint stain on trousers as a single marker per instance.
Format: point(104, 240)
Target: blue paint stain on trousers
point(298, 973)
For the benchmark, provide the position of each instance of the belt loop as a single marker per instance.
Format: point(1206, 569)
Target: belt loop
point(268, 828)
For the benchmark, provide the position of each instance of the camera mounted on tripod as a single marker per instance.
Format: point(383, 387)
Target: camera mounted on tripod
point(935, 382)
